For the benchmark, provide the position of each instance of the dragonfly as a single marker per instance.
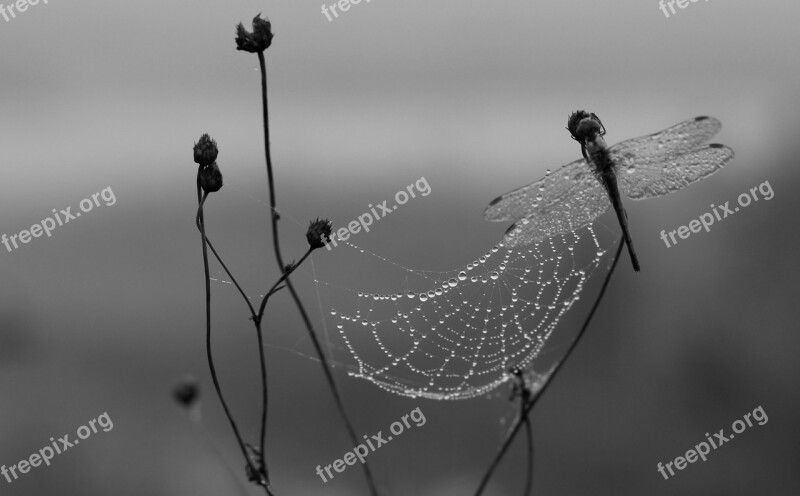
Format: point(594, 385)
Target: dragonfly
point(577, 193)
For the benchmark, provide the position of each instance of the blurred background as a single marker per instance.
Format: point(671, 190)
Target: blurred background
point(107, 314)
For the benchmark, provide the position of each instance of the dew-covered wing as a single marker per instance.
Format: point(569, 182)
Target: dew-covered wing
point(663, 162)
point(539, 197)
point(578, 209)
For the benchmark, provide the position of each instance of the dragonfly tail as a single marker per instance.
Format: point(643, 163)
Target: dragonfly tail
point(610, 182)
point(634, 258)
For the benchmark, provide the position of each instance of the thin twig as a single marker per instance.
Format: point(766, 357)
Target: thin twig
point(211, 366)
point(282, 267)
point(529, 442)
point(518, 424)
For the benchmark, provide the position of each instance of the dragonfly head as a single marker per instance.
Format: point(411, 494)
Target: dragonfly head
point(584, 126)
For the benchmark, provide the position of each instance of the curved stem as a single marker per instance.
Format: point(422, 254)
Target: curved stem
point(274, 216)
point(209, 355)
point(529, 442)
point(219, 259)
point(263, 362)
point(309, 328)
point(275, 286)
point(518, 424)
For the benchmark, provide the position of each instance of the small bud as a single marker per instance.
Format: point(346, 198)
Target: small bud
point(211, 178)
point(205, 150)
point(186, 392)
point(257, 41)
point(319, 232)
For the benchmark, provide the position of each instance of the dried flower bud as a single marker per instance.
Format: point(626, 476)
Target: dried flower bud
point(186, 392)
point(211, 178)
point(257, 41)
point(319, 232)
point(205, 150)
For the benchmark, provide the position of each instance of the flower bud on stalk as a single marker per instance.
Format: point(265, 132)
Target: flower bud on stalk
point(319, 231)
point(205, 151)
point(211, 178)
point(257, 41)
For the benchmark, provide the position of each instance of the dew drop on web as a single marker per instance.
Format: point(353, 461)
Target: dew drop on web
point(457, 332)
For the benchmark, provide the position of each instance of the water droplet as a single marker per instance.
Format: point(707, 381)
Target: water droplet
point(494, 275)
point(410, 294)
point(462, 276)
point(431, 294)
point(502, 266)
point(482, 260)
point(547, 172)
point(631, 169)
point(439, 292)
point(474, 279)
point(452, 282)
point(539, 197)
point(333, 312)
point(423, 297)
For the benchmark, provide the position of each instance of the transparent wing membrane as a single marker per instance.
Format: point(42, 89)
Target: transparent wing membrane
point(539, 196)
point(641, 177)
point(567, 199)
point(646, 167)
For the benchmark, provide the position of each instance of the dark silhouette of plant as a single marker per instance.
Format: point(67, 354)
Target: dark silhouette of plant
point(209, 180)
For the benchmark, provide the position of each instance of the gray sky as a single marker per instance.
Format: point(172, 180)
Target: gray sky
point(107, 313)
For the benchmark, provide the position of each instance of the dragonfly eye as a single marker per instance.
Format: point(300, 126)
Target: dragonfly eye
point(574, 119)
point(587, 129)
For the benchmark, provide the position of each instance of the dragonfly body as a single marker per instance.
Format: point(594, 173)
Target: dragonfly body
point(589, 132)
point(577, 193)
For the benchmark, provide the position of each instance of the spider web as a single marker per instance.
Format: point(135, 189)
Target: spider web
point(454, 334)
point(446, 335)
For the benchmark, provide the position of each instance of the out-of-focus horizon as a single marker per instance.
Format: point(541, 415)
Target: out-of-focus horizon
point(107, 314)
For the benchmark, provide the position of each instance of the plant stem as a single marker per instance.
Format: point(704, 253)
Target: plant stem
point(282, 267)
point(529, 443)
point(233, 279)
point(516, 427)
point(211, 366)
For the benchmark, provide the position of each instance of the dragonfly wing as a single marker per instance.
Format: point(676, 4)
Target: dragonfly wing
point(663, 162)
point(559, 186)
point(659, 179)
point(579, 210)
